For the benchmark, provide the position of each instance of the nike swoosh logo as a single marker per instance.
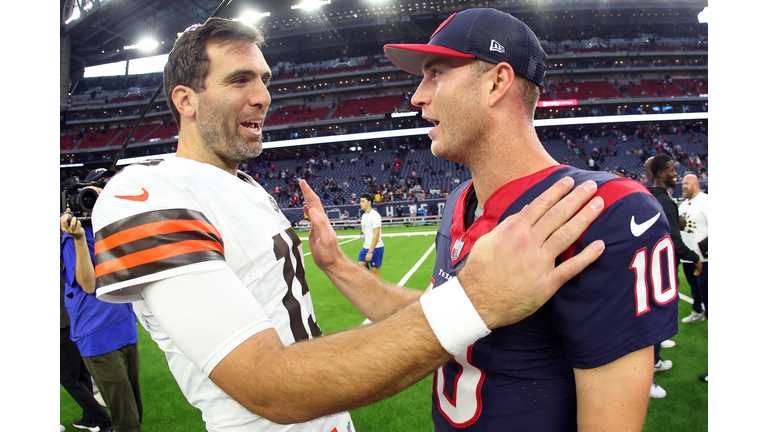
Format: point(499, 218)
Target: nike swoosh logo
point(142, 197)
point(639, 229)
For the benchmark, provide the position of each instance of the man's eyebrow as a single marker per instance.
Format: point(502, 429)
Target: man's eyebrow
point(249, 73)
point(428, 65)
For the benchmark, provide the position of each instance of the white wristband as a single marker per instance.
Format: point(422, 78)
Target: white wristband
point(453, 317)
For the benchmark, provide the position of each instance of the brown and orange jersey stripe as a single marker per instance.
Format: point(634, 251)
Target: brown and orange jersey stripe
point(155, 241)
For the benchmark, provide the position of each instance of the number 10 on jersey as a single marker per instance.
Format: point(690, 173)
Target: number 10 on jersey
point(663, 254)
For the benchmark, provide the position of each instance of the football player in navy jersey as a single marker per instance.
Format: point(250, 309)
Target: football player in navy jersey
point(584, 360)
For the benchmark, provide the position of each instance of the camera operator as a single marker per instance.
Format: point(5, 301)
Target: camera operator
point(73, 375)
point(105, 333)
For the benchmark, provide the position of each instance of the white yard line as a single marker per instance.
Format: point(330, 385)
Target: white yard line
point(405, 234)
point(416, 267)
point(310, 253)
point(686, 298)
point(410, 273)
point(353, 237)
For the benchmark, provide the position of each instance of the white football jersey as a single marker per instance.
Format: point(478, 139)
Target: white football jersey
point(368, 222)
point(696, 214)
point(165, 218)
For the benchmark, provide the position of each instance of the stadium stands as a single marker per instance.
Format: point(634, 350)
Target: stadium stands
point(370, 106)
point(296, 114)
point(334, 89)
point(98, 138)
point(67, 142)
point(138, 136)
point(649, 88)
point(587, 90)
point(162, 133)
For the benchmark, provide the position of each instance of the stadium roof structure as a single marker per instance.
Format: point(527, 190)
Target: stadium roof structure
point(105, 27)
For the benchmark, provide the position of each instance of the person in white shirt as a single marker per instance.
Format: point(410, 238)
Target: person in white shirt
point(372, 253)
point(694, 216)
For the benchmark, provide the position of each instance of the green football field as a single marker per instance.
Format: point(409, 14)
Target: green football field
point(408, 260)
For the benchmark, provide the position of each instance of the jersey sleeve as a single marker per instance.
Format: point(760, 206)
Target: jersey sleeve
point(627, 299)
point(148, 228)
point(204, 324)
point(375, 220)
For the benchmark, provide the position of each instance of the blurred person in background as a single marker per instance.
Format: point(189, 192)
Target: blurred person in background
point(105, 334)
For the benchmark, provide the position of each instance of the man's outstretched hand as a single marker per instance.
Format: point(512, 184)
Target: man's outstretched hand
point(322, 238)
point(511, 271)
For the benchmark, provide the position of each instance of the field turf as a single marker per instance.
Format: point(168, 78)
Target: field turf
point(166, 409)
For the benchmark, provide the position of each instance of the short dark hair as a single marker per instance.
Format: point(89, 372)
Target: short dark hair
point(659, 162)
point(188, 62)
point(367, 196)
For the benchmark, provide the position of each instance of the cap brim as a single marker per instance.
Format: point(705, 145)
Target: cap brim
point(410, 57)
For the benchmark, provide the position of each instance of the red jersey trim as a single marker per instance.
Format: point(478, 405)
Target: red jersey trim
point(610, 192)
point(495, 206)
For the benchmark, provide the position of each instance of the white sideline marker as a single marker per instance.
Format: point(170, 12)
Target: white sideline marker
point(310, 252)
point(416, 267)
point(410, 273)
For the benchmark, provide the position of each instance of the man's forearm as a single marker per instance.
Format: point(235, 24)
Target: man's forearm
point(371, 295)
point(334, 373)
point(84, 272)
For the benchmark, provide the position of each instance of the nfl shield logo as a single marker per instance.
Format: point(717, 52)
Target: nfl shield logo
point(274, 204)
point(456, 250)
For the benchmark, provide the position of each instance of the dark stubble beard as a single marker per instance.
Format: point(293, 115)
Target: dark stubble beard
point(220, 138)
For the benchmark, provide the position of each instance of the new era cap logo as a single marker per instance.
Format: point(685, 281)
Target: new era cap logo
point(495, 46)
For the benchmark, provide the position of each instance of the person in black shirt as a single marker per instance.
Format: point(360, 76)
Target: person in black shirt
point(662, 172)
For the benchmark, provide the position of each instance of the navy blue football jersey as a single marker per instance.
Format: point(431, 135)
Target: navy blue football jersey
point(520, 377)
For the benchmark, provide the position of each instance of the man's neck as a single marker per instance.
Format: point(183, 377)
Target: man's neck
point(508, 163)
point(192, 148)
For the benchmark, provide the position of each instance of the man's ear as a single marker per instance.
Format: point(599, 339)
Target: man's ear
point(185, 100)
point(502, 77)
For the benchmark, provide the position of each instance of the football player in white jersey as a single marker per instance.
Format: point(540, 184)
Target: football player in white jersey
point(372, 253)
point(694, 230)
point(216, 272)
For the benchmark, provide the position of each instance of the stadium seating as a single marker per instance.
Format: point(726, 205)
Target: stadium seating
point(126, 99)
point(587, 90)
point(342, 69)
point(98, 138)
point(650, 88)
point(162, 133)
point(372, 106)
point(138, 136)
point(693, 86)
point(296, 114)
point(67, 142)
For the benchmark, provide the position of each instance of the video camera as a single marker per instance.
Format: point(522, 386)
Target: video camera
point(80, 198)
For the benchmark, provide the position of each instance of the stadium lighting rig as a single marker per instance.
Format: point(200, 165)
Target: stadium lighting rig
point(251, 17)
point(704, 15)
point(75, 15)
point(145, 45)
point(311, 4)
